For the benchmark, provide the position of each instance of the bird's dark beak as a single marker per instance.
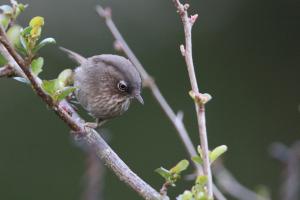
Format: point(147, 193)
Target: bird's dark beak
point(139, 98)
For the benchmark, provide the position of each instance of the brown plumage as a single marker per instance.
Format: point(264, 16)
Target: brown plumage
point(105, 84)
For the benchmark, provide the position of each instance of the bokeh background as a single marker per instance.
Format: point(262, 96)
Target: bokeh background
point(246, 55)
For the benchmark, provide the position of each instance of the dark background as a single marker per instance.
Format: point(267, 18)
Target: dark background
point(246, 56)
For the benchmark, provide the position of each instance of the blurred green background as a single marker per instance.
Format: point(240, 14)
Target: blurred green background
point(246, 55)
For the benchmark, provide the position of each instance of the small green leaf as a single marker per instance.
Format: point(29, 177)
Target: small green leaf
point(197, 160)
point(24, 44)
point(51, 86)
point(13, 35)
point(201, 180)
point(166, 174)
point(181, 166)
point(63, 93)
point(66, 77)
point(37, 65)
point(187, 195)
point(35, 32)
point(263, 191)
point(26, 31)
point(37, 21)
point(20, 8)
point(4, 20)
point(200, 151)
point(217, 152)
point(44, 43)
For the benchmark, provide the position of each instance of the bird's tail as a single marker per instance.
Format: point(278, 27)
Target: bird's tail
point(74, 56)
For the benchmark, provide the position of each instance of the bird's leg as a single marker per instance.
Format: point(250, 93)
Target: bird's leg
point(97, 124)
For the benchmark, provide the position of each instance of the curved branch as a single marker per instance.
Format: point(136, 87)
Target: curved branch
point(200, 107)
point(88, 136)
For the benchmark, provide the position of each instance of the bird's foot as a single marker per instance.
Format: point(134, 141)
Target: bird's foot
point(92, 125)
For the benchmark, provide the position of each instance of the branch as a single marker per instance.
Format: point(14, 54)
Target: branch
point(176, 119)
point(149, 83)
point(81, 133)
point(199, 100)
point(231, 186)
point(6, 71)
point(93, 178)
point(290, 157)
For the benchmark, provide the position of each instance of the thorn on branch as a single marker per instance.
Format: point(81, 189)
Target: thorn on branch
point(193, 19)
point(182, 50)
point(104, 12)
point(186, 6)
point(118, 46)
point(148, 82)
point(179, 116)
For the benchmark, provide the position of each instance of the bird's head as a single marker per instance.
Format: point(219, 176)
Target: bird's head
point(122, 77)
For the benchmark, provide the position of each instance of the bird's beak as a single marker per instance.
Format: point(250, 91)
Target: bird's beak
point(139, 98)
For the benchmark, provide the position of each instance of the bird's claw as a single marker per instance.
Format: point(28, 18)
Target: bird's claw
point(92, 125)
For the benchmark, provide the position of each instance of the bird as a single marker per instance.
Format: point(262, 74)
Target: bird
point(105, 85)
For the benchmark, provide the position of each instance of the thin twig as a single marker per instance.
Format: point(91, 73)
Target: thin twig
point(230, 185)
point(176, 119)
point(200, 107)
point(290, 158)
point(88, 136)
point(148, 82)
point(164, 189)
point(6, 71)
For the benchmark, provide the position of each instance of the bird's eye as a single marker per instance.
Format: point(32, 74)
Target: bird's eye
point(122, 86)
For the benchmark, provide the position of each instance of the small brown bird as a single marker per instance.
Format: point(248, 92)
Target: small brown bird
point(105, 84)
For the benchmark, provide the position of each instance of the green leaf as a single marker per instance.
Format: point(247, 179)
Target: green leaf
point(51, 86)
point(181, 166)
point(200, 151)
point(166, 174)
point(20, 8)
point(187, 195)
point(4, 20)
point(24, 44)
point(37, 65)
point(63, 93)
point(201, 180)
point(197, 160)
point(217, 152)
point(37, 21)
point(44, 43)
point(26, 31)
point(13, 35)
point(66, 77)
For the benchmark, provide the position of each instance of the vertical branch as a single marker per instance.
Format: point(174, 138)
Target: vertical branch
point(200, 99)
point(93, 178)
